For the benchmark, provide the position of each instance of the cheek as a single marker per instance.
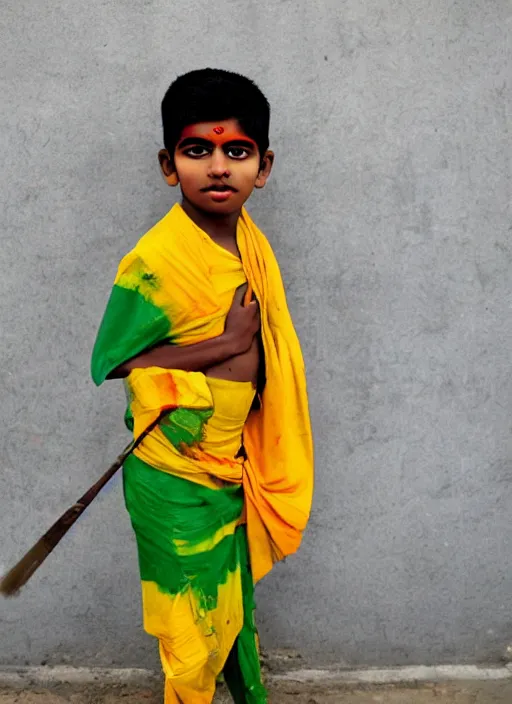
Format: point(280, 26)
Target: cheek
point(188, 169)
point(248, 170)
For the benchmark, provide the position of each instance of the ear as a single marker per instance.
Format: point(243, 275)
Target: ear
point(266, 167)
point(168, 169)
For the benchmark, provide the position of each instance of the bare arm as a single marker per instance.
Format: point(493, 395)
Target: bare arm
point(242, 324)
point(191, 358)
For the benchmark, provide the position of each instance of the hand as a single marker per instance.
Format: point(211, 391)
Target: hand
point(242, 323)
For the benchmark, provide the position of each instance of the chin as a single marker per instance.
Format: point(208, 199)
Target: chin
point(227, 208)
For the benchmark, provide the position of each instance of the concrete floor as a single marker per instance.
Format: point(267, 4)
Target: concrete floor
point(281, 693)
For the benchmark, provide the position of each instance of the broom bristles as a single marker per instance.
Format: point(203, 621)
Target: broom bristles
point(19, 575)
point(25, 568)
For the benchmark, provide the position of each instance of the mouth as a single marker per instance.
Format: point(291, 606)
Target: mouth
point(219, 188)
point(219, 192)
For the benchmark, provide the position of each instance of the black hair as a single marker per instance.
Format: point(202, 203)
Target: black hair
point(210, 95)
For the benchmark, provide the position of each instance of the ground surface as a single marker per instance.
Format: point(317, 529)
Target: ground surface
point(281, 693)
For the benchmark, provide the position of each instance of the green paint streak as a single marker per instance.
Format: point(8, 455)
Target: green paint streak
point(139, 277)
point(150, 279)
point(131, 324)
point(242, 670)
point(164, 508)
point(185, 426)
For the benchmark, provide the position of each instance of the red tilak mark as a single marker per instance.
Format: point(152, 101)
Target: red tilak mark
point(218, 130)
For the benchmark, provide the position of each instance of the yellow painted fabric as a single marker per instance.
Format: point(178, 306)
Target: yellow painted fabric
point(202, 459)
point(187, 283)
point(187, 487)
point(197, 589)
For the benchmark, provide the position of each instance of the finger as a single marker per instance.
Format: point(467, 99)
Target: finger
point(253, 308)
point(255, 314)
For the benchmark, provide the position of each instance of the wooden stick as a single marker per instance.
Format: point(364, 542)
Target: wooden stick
point(19, 575)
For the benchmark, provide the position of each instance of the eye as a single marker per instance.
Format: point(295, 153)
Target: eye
point(196, 152)
point(237, 152)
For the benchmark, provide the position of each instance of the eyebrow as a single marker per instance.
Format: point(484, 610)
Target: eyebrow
point(207, 143)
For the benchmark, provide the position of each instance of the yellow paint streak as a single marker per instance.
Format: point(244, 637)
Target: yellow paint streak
point(185, 548)
point(194, 643)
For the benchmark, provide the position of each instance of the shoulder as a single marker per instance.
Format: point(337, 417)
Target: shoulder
point(158, 238)
point(147, 253)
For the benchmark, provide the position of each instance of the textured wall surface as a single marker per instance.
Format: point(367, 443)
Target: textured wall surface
point(389, 211)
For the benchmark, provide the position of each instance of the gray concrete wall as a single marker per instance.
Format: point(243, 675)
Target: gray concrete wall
point(389, 210)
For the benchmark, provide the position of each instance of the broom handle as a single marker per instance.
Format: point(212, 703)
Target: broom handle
point(61, 526)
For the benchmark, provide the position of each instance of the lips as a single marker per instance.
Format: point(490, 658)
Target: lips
point(219, 188)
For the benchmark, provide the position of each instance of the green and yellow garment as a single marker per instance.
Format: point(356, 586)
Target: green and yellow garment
point(209, 520)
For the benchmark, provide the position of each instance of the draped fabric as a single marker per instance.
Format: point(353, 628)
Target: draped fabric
point(188, 488)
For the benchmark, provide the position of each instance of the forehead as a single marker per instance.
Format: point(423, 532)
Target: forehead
point(217, 132)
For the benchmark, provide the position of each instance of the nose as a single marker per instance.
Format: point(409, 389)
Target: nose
point(219, 164)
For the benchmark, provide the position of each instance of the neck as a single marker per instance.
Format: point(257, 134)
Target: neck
point(219, 227)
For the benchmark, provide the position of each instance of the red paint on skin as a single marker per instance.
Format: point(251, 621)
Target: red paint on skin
point(205, 130)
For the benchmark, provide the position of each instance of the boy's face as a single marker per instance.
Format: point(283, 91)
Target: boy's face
point(217, 166)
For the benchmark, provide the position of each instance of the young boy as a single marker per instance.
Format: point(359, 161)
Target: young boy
point(197, 323)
